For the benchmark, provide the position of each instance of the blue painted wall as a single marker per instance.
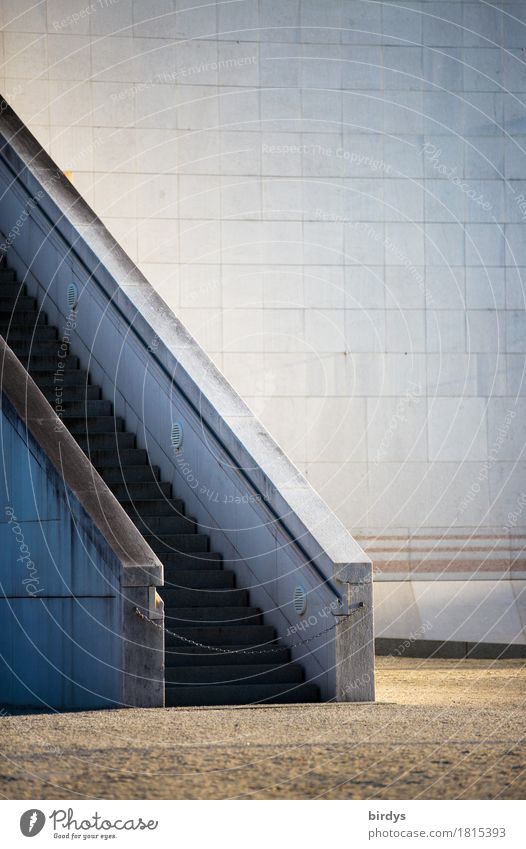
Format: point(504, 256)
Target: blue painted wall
point(60, 605)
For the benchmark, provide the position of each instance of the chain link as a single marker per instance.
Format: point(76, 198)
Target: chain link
point(221, 650)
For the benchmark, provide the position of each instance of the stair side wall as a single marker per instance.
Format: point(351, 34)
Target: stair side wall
point(67, 624)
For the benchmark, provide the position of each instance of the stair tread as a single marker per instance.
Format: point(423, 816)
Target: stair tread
point(206, 579)
point(235, 610)
point(22, 316)
point(43, 362)
point(257, 637)
point(17, 303)
point(243, 673)
point(129, 456)
point(172, 524)
point(74, 377)
point(168, 506)
point(173, 565)
point(228, 694)
point(223, 596)
point(129, 473)
point(19, 332)
point(168, 538)
point(186, 655)
point(224, 615)
point(89, 442)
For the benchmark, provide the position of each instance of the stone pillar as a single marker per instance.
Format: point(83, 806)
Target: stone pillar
point(355, 635)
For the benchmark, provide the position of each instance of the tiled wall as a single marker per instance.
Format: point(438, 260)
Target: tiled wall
point(329, 194)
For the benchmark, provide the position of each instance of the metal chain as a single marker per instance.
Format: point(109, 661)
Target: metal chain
point(221, 650)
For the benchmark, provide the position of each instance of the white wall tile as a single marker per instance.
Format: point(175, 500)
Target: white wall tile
point(405, 330)
point(365, 287)
point(68, 16)
point(457, 429)
point(362, 67)
point(199, 197)
point(279, 21)
point(158, 240)
point(281, 109)
point(446, 330)
point(324, 330)
point(397, 428)
point(24, 16)
point(452, 374)
point(24, 55)
point(516, 331)
point(323, 287)
point(445, 287)
point(240, 197)
point(321, 23)
point(365, 330)
point(238, 22)
point(361, 23)
point(516, 288)
point(444, 244)
point(485, 288)
point(485, 330)
point(280, 64)
point(506, 428)
point(158, 196)
point(242, 286)
point(156, 19)
point(194, 19)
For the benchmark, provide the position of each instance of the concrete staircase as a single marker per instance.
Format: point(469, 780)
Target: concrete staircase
point(202, 602)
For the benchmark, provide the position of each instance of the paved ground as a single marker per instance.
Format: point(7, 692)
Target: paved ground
point(440, 729)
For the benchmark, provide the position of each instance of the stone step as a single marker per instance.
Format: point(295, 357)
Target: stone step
point(49, 362)
point(59, 377)
point(85, 409)
point(191, 656)
point(129, 474)
point(172, 560)
point(254, 636)
point(206, 579)
point(156, 505)
point(71, 393)
point(12, 289)
point(140, 490)
point(94, 424)
point(28, 317)
point(249, 672)
point(188, 617)
point(177, 542)
point(17, 303)
point(7, 274)
point(108, 441)
point(128, 457)
point(155, 525)
point(35, 347)
point(240, 694)
point(202, 561)
point(184, 596)
point(25, 331)
point(185, 564)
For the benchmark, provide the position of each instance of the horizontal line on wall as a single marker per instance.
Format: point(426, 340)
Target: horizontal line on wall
point(397, 577)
